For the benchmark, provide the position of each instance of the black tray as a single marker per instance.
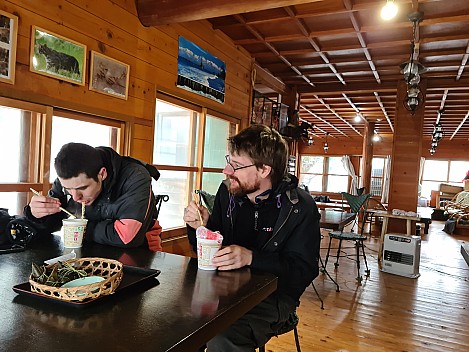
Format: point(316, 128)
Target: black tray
point(132, 278)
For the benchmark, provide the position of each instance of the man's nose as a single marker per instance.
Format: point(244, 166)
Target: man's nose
point(76, 195)
point(228, 170)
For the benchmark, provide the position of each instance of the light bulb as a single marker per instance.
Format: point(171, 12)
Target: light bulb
point(389, 11)
point(357, 118)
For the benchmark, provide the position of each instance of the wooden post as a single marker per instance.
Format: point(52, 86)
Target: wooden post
point(406, 153)
point(367, 156)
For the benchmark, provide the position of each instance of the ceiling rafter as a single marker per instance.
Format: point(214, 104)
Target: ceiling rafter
point(336, 114)
point(459, 127)
point(322, 120)
point(313, 43)
point(380, 103)
point(463, 63)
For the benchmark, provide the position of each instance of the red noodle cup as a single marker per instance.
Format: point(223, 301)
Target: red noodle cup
point(208, 243)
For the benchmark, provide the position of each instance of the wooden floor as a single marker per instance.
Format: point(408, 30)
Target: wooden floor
point(389, 312)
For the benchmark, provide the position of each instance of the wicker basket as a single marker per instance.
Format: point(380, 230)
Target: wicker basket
point(111, 270)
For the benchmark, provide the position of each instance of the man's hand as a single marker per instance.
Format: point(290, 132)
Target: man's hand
point(42, 206)
point(191, 215)
point(232, 257)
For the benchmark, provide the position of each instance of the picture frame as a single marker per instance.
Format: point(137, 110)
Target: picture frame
point(8, 41)
point(200, 72)
point(58, 57)
point(109, 76)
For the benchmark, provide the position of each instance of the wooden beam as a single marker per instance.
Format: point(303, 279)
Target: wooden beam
point(267, 79)
point(159, 12)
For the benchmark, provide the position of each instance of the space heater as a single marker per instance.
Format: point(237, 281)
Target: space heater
point(401, 255)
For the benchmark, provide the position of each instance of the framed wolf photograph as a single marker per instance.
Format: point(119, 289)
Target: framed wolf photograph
point(109, 76)
point(8, 38)
point(56, 56)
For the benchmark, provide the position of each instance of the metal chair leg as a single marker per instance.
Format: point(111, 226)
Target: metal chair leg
point(324, 271)
point(297, 340)
point(357, 250)
point(317, 294)
point(367, 271)
point(336, 264)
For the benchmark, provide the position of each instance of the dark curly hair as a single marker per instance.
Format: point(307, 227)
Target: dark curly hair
point(265, 146)
point(76, 158)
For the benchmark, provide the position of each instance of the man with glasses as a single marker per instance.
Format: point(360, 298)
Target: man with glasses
point(267, 223)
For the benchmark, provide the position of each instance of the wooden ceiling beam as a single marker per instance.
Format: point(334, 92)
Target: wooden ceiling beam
point(160, 12)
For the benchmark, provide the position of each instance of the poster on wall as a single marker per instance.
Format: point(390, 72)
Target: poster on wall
point(8, 34)
point(200, 72)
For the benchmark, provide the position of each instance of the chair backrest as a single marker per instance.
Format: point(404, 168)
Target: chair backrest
point(207, 198)
point(160, 198)
point(356, 203)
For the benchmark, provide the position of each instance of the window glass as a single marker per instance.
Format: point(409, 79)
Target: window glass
point(65, 130)
point(16, 157)
point(313, 182)
point(377, 167)
point(428, 187)
point(175, 140)
point(458, 170)
point(211, 181)
point(217, 132)
point(178, 185)
point(435, 170)
point(312, 164)
point(337, 183)
point(10, 140)
point(336, 167)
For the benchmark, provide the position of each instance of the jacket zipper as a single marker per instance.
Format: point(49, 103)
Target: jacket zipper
point(278, 230)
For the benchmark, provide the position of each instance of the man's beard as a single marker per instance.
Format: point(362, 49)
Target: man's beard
point(242, 189)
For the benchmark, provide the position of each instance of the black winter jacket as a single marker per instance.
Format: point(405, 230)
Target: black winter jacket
point(126, 195)
point(292, 252)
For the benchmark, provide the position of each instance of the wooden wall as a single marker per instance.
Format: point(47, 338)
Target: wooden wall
point(113, 28)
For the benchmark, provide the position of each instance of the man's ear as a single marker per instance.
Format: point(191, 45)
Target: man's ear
point(265, 171)
point(103, 173)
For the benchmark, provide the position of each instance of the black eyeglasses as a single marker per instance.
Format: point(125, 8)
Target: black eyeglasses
point(232, 168)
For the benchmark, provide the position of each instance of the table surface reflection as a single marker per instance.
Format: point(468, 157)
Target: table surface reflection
point(178, 311)
point(334, 219)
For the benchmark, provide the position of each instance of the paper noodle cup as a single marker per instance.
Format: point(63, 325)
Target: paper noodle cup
point(74, 231)
point(208, 243)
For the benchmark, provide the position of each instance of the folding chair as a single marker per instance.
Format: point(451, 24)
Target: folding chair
point(358, 205)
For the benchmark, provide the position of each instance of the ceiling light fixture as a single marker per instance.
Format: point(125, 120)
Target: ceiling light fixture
point(437, 134)
point(412, 69)
point(376, 137)
point(326, 145)
point(358, 117)
point(389, 11)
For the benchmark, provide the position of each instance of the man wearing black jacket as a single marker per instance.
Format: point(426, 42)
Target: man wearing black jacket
point(267, 223)
point(116, 191)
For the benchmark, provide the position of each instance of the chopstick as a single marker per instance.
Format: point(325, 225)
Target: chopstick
point(64, 210)
point(197, 202)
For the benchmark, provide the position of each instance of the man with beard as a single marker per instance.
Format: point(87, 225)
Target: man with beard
point(268, 224)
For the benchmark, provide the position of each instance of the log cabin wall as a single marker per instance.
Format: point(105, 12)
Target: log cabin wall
point(113, 28)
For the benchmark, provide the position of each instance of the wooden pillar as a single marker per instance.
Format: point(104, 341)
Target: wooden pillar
point(367, 154)
point(291, 99)
point(405, 158)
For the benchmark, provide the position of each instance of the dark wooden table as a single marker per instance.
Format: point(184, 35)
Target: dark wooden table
point(334, 220)
point(179, 311)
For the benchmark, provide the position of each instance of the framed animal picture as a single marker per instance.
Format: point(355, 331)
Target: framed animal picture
point(8, 37)
point(56, 56)
point(109, 76)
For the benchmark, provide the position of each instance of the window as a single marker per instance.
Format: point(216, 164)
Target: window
point(30, 137)
point(323, 174)
point(178, 155)
point(378, 167)
point(102, 133)
point(442, 171)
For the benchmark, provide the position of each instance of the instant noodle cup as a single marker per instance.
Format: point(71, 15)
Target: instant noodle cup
point(208, 243)
point(74, 231)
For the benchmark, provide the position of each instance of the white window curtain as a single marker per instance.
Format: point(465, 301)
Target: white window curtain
point(351, 172)
point(422, 163)
point(386, 179)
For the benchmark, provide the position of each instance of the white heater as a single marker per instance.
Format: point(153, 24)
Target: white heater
point(401, 255)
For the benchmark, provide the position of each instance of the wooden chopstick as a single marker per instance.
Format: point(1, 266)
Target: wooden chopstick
point(64, 210)
point(197, 202)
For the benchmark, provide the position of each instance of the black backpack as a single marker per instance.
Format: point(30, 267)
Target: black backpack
point(5, 218)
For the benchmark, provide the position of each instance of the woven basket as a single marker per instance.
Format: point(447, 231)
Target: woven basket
point(111, 270)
